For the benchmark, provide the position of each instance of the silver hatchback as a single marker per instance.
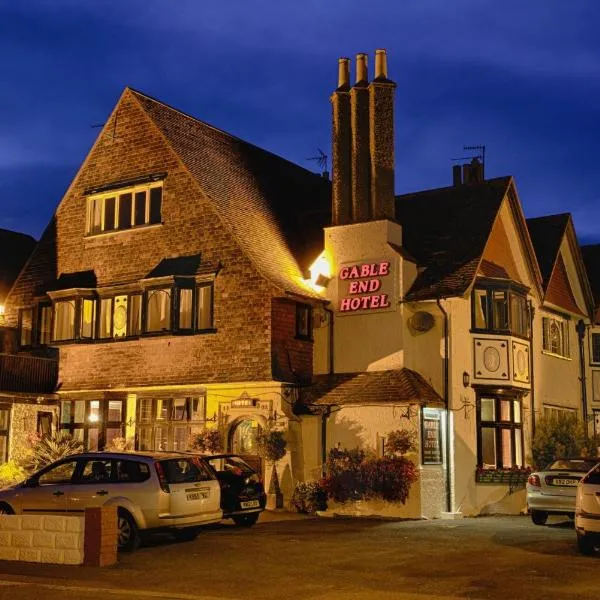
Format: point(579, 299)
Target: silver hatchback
point(152, 491)
point(553, 490)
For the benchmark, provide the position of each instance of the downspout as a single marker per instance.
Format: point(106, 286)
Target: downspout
point(581, 335)
point(446, 404)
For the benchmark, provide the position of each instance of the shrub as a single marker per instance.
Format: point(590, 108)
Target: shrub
point(400, 442)
point(561, 435)
point(10, 473)
point(118, 444)
point(207, 441)
point(309, 497)
point(49, 449)
point(353, 475)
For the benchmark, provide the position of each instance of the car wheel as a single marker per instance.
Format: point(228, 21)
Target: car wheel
point(189, 534)
point(585, 545)
point(5, 509)
point(245, 520)
point(129, 536)
point(539, 517)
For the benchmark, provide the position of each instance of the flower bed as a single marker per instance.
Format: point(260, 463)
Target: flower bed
point(511, 477)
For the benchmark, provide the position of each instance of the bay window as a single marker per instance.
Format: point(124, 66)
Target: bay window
point(96, 423)
point(44, 324)
point(500, 309)
point(158, 310)
point(88, 318)
point(499, 432)
point(555, 336)
point(64, 320)
point(26, 326)
point(204, 307)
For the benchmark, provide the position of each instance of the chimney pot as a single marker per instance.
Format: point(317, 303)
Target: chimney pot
point(381, 71)
point(361, 68)
point(456, 175)
point(343, 72)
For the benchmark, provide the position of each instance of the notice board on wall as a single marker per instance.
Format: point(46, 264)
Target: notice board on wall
point(431, 436)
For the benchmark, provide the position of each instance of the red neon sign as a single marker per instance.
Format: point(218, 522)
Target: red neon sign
point(364, 279)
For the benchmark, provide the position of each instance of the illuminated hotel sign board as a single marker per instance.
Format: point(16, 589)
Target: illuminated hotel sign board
point(365, 287)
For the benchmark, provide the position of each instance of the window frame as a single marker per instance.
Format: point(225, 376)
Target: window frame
point(196, 306)
point(594, 357)
point(516, 428)
point(117, 193)
point(32, 313)
point(562, 322)
point(63, 300)
point(510, 290)
point(300, 335)
point(172, 293)
point(5, 433)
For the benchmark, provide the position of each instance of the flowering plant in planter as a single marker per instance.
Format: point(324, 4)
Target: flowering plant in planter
point(309, 497)
point(208, 441)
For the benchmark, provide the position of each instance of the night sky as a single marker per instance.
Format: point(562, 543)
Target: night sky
point(523, 78)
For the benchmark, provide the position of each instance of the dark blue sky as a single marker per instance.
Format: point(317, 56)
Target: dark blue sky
point(521, 77)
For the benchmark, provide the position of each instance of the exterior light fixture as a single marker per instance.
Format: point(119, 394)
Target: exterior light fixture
point(320, 273)
point(93, 418)
point(1, 314)
point(466, 379)
point(322, 280)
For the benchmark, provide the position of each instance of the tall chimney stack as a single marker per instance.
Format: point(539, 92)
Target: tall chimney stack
point(381, 140)
point(341, 155)
point(359, 113)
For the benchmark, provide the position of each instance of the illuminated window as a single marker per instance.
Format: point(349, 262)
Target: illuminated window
point(64, 320)
point(596, 348)
point(555, 336)
point(94, 422)
point(44, 323)
point(499, 439)
point(158, 310)
point(185, 308)
point(88, 318)
point(26, 326)
point(204, 309)
point(134, 206)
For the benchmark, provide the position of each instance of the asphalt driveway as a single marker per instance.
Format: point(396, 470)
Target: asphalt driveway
point(334, 559)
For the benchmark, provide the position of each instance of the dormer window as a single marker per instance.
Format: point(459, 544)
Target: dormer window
point(125, 208)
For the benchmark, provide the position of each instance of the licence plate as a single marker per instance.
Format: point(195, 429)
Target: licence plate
point(565, 482)
point(250, 504)
point(197, 495)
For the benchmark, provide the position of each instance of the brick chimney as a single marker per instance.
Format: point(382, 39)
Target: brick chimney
point(359, 123)
point(381, 140)
point(341, 155)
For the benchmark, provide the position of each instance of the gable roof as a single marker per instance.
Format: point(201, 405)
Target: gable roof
point(15, 248)
point(546, 235)
point(446, 231)
point(371, 387)
point(275, 209)
point(591, 258)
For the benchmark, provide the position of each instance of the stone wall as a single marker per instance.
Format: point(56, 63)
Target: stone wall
point(23, 424)
point(45, 539)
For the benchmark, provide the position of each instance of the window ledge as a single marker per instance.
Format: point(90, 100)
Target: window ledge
point(105, 234)
point(548, 353)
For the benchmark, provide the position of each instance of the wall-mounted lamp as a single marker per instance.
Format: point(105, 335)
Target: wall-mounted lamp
point(322, 280)
point(466, 379)
point(1, 314)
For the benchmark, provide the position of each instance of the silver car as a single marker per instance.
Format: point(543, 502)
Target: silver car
point(553, 490)
point(152, 491)
point(587, 512)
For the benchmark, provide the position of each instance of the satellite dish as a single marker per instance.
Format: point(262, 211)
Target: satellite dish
point(422, 321)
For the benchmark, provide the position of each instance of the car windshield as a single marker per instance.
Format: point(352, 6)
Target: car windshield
point(580, 465)
point(232, 464)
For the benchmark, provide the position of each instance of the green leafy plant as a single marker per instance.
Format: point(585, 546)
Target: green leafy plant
point(309, 497)
point(119, 444)
point(208, 441)
point(10, 473)
point(561, 435)
point(49, 449)
point(271, 444)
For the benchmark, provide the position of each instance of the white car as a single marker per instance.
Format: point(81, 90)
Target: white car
point(152, 492)
point(587, 512)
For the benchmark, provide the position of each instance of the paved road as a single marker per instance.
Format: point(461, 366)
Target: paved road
point(334, 559)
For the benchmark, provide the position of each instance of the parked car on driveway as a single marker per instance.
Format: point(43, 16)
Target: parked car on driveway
point(152, 492)
point(553, 490)
point(243, 496)
point(587, 512)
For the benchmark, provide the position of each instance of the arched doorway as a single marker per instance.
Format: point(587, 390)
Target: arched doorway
point(243, 436)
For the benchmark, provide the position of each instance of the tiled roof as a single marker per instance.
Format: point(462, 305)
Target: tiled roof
point(370, 387)
point(546, 235)
point(446, 230)
point(275, 209)
point(15, 248)
point(492, 270)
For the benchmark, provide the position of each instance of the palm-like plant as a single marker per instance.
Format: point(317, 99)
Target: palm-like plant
point(49, 449)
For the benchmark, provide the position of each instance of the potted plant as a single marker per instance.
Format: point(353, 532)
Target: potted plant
point(272, 448)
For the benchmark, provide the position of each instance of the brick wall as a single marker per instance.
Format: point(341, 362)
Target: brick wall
point(291, 357)
point(46, 539)
point(241, 347)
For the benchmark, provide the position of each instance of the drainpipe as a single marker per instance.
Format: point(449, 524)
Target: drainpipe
point(581, 335)
point(446, 404)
